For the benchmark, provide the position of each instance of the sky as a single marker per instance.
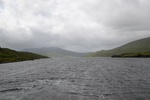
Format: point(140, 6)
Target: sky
point(77, 25)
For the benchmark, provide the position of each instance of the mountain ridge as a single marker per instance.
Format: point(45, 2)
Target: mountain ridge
point(137, 46)
point(54, 52)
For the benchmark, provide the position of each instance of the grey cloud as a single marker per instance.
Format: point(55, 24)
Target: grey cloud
point(1, 5)
point(87, 25)
point(133, 17)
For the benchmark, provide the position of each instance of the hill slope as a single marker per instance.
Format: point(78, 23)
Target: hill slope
point(55, 52)
point(138, 46)
point(8, 55)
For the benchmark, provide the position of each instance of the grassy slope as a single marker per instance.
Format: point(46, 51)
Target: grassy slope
point(8, 55)
point(138, 46)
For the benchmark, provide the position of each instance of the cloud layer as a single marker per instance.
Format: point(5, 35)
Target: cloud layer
point(78, 25)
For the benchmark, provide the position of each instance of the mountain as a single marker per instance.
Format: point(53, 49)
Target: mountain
point(138, 46)
point(8, 55)
point(55, 52)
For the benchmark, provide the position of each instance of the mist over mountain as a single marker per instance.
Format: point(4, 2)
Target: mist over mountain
point(54, 52)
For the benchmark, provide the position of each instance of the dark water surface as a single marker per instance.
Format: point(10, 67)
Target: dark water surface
point(76, 79)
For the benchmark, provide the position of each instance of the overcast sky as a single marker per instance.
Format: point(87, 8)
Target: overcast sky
point(77, 25)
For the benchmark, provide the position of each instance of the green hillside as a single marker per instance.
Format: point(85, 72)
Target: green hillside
point(138, 46)
point(8, 55)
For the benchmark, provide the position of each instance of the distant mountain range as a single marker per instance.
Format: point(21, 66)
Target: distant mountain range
point(138, 46)
point(54, 52)
point(9, 55)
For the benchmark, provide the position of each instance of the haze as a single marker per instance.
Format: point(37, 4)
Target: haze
point(77, 25)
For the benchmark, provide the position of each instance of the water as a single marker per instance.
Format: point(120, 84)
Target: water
point(76, 79)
